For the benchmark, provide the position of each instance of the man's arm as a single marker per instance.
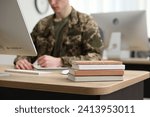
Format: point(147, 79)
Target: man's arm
point(92, 44)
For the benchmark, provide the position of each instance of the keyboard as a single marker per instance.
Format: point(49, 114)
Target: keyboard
point(33, 72)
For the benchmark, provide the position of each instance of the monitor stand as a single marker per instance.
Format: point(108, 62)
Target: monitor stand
point(114, 48)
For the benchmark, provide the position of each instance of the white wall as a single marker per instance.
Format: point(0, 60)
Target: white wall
point(30, 13)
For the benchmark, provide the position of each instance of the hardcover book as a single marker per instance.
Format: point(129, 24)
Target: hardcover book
point(116, 72)
point(96, 67)
point(94, 78)
point(102, 62)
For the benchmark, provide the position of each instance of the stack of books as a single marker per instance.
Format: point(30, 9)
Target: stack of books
point(105, 70)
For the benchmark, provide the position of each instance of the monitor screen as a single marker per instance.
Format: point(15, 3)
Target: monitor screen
point(131, 25)
point(14, 36)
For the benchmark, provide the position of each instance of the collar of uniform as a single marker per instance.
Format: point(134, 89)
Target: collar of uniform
point(73, 19)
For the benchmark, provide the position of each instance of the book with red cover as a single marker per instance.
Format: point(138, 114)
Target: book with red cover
point(116, 72)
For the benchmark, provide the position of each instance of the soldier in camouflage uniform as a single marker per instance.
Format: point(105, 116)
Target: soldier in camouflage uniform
point(60, 40)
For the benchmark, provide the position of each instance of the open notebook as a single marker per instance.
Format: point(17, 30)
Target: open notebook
point(38, 67)
point(49, 68)
point(63, 70)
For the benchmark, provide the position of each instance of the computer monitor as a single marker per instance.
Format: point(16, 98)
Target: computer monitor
point(129, 26)
point(14, 36)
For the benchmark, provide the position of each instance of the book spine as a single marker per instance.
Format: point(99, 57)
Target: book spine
point(97, 62)
point(94, 78)
point(96, 72)
point(96, 67)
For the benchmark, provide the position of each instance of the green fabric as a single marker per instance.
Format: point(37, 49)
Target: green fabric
point(58, 26)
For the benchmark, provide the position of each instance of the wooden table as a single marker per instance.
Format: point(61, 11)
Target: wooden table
point(57, 86)
point(142, 61)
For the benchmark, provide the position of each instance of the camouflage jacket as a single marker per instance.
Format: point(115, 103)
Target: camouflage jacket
point(81, 39)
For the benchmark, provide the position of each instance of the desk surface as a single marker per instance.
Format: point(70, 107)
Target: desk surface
point(56, 82)
point(136, 61)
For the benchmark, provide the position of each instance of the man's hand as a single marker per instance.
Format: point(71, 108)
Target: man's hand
point(23, 64)
point(49, 61)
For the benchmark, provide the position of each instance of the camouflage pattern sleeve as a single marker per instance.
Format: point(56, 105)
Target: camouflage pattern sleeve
point(92, 46)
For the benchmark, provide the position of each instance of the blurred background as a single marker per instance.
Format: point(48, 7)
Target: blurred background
point(32, 15)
